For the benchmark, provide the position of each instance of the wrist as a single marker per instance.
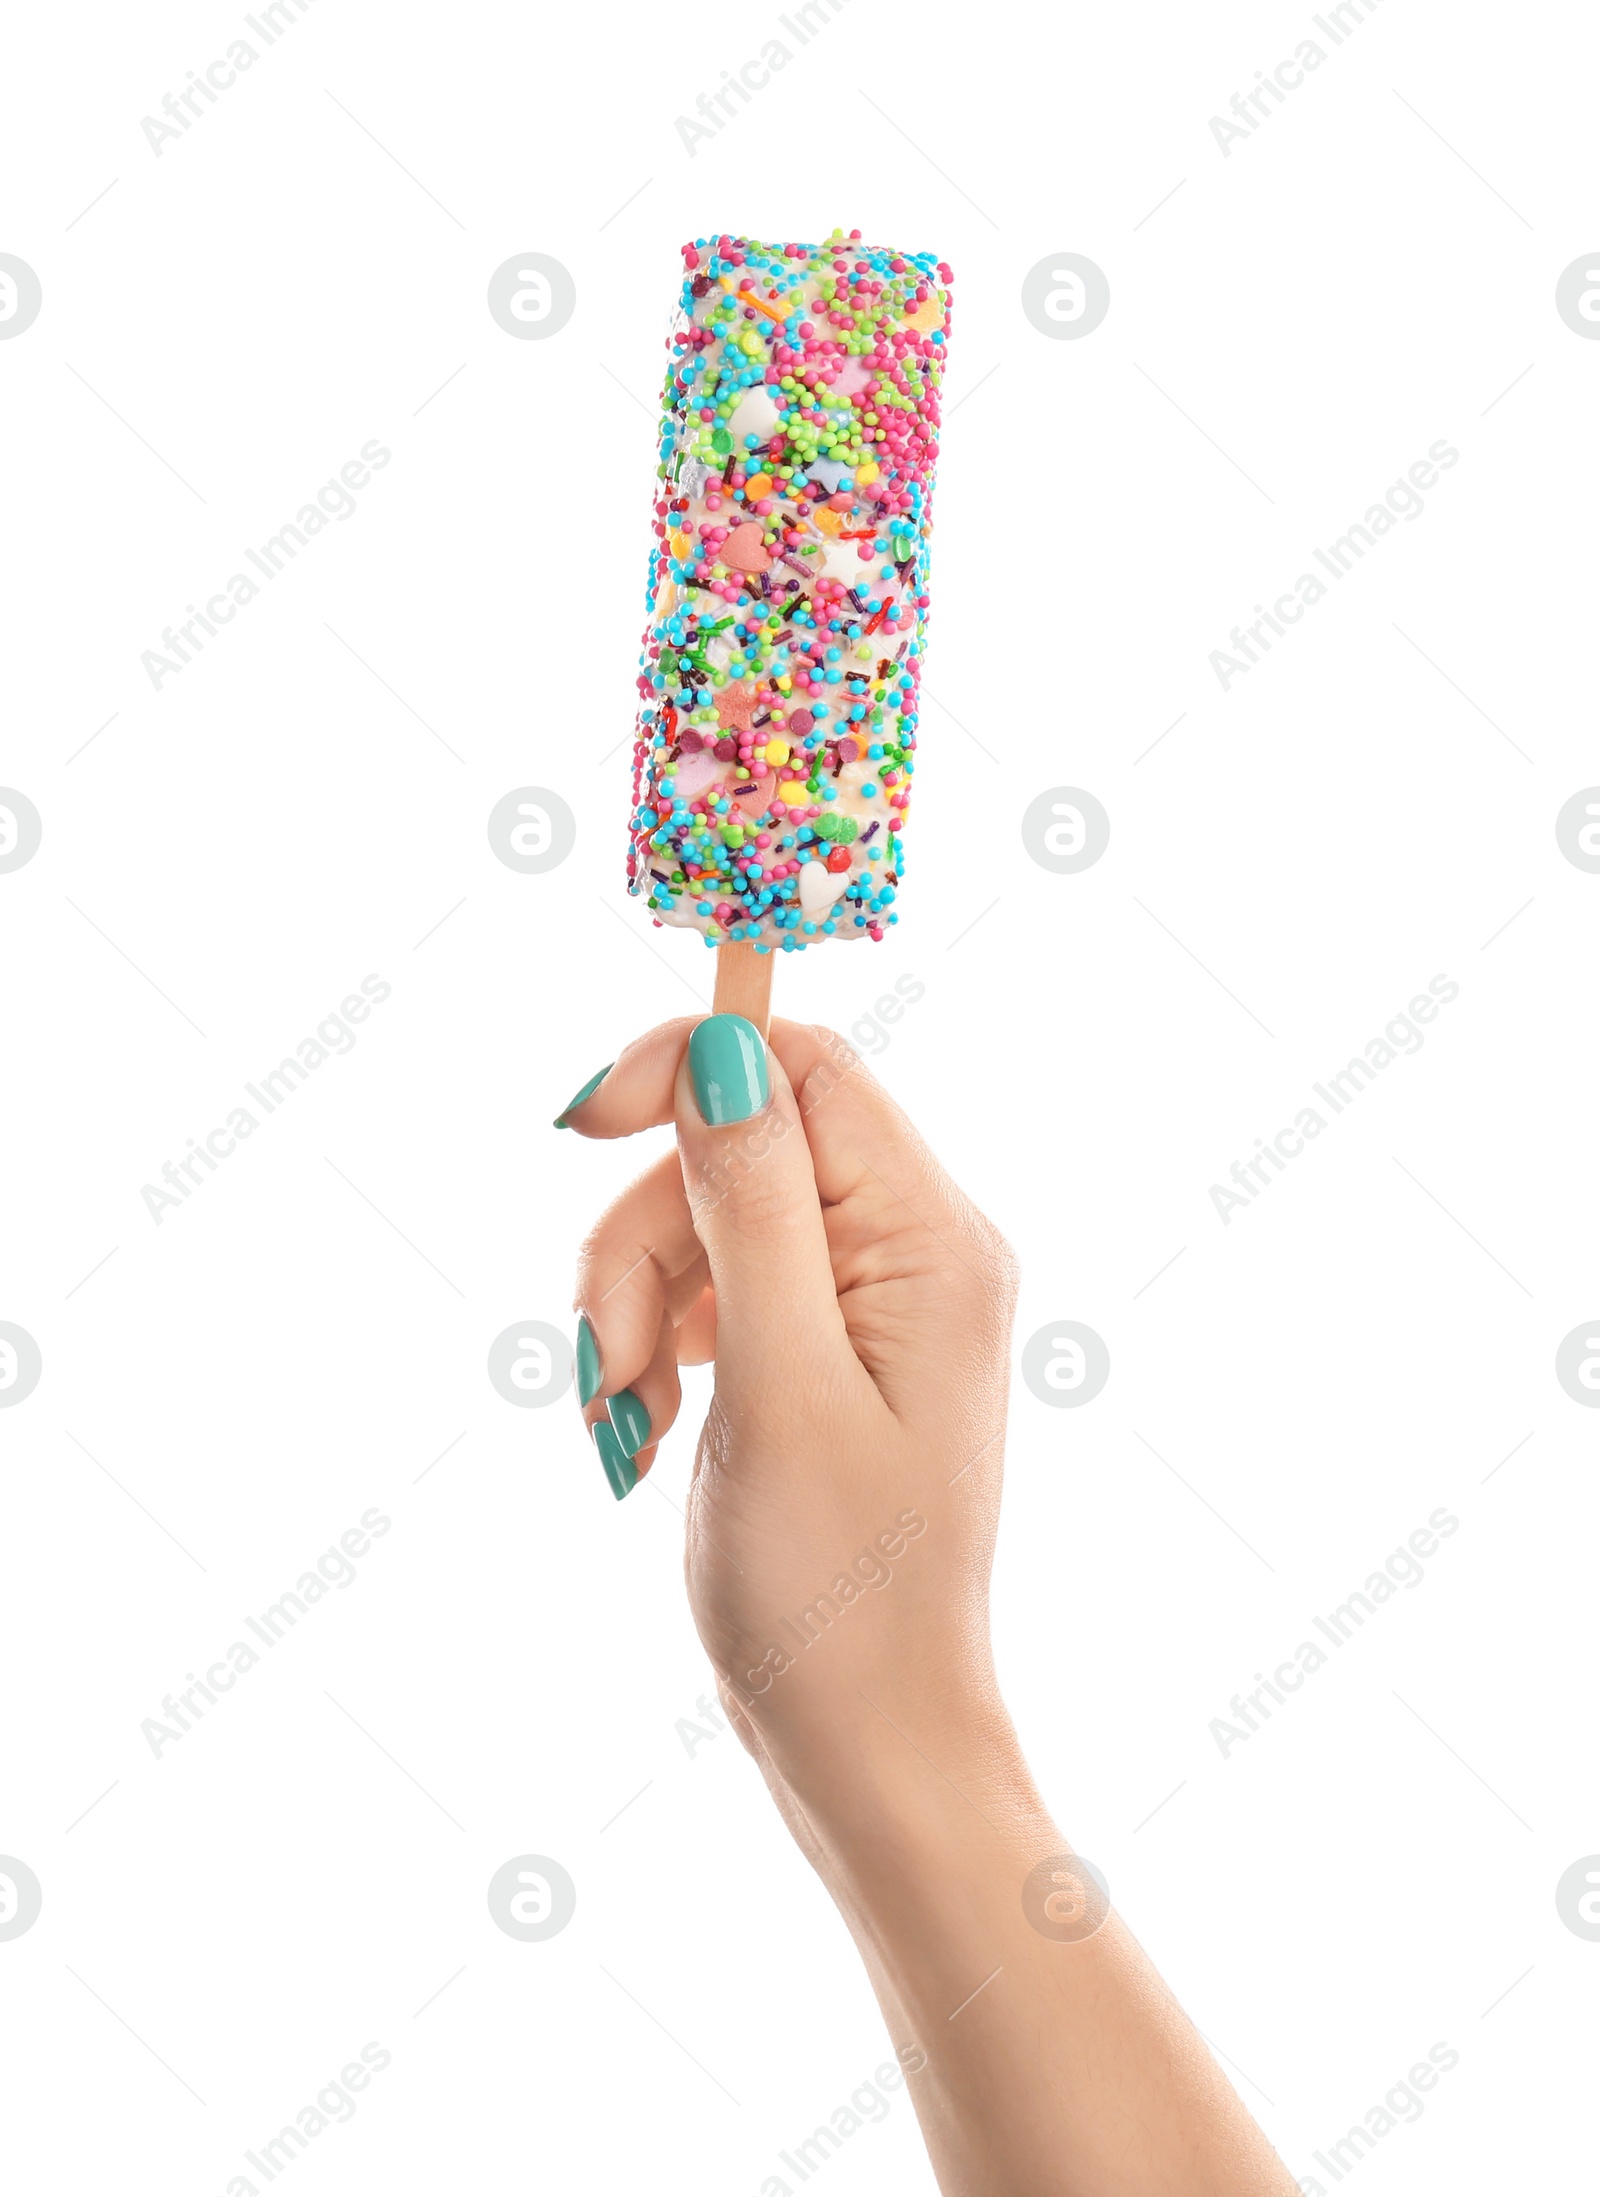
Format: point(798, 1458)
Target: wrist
point(927, 1851)
point(900, 1792)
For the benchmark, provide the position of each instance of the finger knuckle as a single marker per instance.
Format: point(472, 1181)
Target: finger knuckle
point(995, 1254)
point(838, 1061)
point(607, 1263)
point(1004, 1260)
point(745, 1191)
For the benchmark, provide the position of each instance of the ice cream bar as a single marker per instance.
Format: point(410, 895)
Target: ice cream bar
point(788, 591)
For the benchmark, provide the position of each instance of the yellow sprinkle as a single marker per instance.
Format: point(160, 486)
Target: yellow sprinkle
point(776, 751)
point(866, 473)
point(792, 793)
point(680, 545)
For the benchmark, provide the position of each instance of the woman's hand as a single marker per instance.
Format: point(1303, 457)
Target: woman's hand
point(858, 1307)
point(841, 1528)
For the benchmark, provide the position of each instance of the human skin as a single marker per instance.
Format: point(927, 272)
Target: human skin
point(858, 1310)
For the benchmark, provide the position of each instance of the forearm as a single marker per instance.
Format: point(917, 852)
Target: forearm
point(1050, 2067)
point(841, 1525)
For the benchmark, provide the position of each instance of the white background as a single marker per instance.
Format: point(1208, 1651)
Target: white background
point(1374, 804)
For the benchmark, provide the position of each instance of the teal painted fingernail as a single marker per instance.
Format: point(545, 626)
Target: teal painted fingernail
point(728, 1064)
point(578, 1097)
point(588, 1362)
point(621, 1470)
point(630, 1419)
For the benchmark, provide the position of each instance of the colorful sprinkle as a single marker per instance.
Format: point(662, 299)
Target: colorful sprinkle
point(788, 589)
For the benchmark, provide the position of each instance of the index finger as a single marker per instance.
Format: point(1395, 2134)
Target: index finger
point(635, 1092)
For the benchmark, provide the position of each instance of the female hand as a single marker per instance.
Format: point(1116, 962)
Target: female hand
point(858, 1307)
point(841, 1527)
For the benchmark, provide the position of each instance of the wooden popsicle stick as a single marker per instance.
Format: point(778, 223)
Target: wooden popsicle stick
point(744, 983)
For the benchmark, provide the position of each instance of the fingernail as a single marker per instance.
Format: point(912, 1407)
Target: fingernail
point(588, 1362)
point(621, 1470)
point(728, 1064)
point(630, 1419)
point(578, 1097)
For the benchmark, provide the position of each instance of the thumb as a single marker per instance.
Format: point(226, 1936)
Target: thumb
point(753, 1200)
